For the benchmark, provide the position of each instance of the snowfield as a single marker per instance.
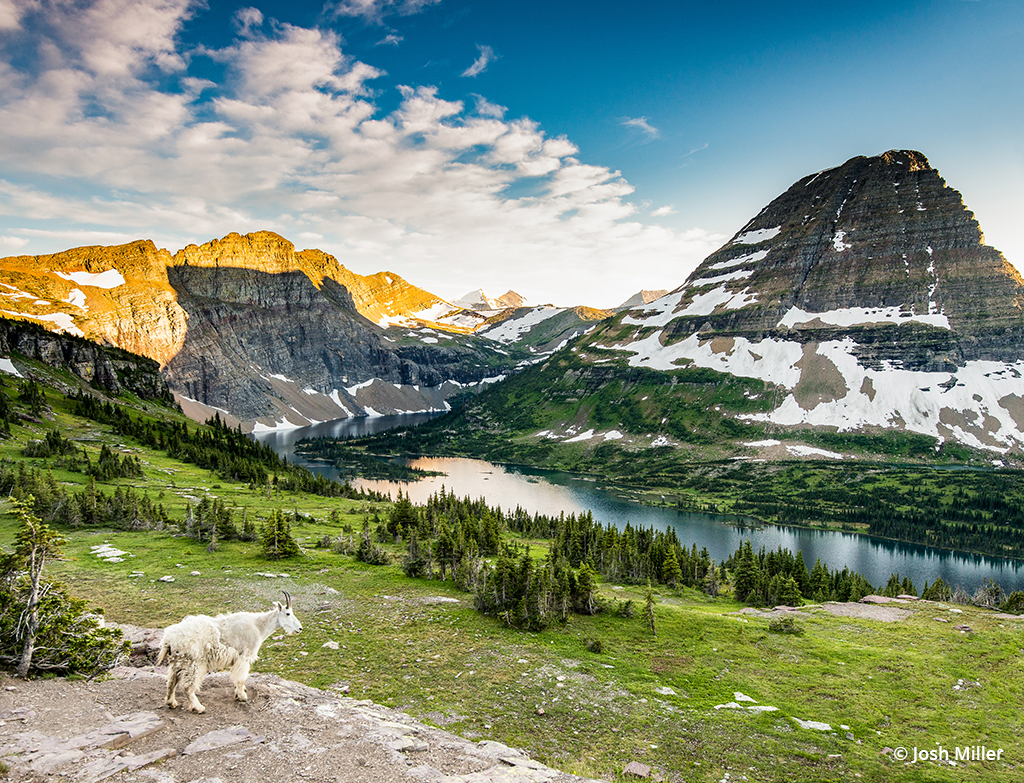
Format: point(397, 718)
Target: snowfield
point(979, 404)
point(111, 278)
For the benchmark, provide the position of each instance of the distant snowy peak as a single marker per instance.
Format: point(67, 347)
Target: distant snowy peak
point(866, 295)
point(478, 300)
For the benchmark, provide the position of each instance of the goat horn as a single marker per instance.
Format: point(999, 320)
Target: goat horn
point(288, 598)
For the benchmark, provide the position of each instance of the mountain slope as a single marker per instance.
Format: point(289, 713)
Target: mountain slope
point(250, 327)
point(861, 301)
point(867, 295)
point(118, 295)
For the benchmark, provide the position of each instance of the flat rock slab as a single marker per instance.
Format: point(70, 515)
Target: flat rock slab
point(882, 599)
point(106, 767)
point(285, 732)
point(221, 738)
point(815, 725)
point(868, 610)
point(95, 755)
point(637, 769)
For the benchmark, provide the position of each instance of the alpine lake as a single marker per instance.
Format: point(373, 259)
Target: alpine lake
point(554, 492)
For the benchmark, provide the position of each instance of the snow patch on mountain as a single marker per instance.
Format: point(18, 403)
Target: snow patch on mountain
point(62, 321)
point(111, 278)
point(514, 328)
point(739, 274)
point(750, 258)
point(975, 404)
point(77, 299)
point(757, 236)
point(862, 316)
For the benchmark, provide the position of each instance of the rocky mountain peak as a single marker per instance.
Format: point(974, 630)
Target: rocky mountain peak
point(642, 297)
point(884, 235)
point(511, 299)
point(872, 275)
point(264, 251)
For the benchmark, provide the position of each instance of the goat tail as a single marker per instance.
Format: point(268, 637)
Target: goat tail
point(165, 648)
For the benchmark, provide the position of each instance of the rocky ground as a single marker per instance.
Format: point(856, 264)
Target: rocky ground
point(118, 729)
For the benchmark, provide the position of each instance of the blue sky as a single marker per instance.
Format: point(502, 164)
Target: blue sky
point(573, 151)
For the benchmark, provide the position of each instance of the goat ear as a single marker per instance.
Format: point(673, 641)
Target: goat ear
point(277, 605)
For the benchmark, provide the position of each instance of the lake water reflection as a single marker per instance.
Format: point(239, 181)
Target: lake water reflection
point(553, 492)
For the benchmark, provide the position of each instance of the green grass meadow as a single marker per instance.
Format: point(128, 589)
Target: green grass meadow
point(420, 646)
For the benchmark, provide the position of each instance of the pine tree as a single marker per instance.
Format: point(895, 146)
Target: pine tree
point(789, 592)
point(820, 588)
point(649, 610)
point(31, 393)
point(745, 575)
point(276, 539)
point(671, 573)
point(586, 589)
point(35, 544)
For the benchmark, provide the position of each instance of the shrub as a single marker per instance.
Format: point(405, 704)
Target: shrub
point(784, 625)
point(369, 552)
point(69, 639)
point(1014, 603)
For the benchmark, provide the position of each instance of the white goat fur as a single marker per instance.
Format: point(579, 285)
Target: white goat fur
point(201, 644)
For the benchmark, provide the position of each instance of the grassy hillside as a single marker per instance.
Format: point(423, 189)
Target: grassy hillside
point(419, 645)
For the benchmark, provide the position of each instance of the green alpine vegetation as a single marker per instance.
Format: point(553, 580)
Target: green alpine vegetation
point(586, 646)
point(673, 431)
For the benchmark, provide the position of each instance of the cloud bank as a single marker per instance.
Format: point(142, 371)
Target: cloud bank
point(108, 127)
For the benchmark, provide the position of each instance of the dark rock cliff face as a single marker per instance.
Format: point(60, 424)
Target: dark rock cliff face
point(111, 369)
point(246, 325)
point(866, 297)
point(879, 233)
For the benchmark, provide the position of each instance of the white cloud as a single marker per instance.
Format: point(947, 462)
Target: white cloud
point(641, 124)
point(487, 109)
point(487, 56)
point(663, 211)
point(10, 14)
point(390, 40)
point(374, 11)
point(14, 242)
point(248, 20)
point(95, 146)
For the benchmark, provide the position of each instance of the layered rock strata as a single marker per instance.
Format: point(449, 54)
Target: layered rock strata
point(867, 295)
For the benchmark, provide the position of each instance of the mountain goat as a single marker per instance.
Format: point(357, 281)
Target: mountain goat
point(200, 644)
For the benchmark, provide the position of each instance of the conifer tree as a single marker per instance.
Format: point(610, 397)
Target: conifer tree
point(649, 610)
point(586, 589)
point(31, 393)
point(819, 585)
point(35, 544)
point(789, 591)
point(745, 575)
point(276, 540)
point(671, 573)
